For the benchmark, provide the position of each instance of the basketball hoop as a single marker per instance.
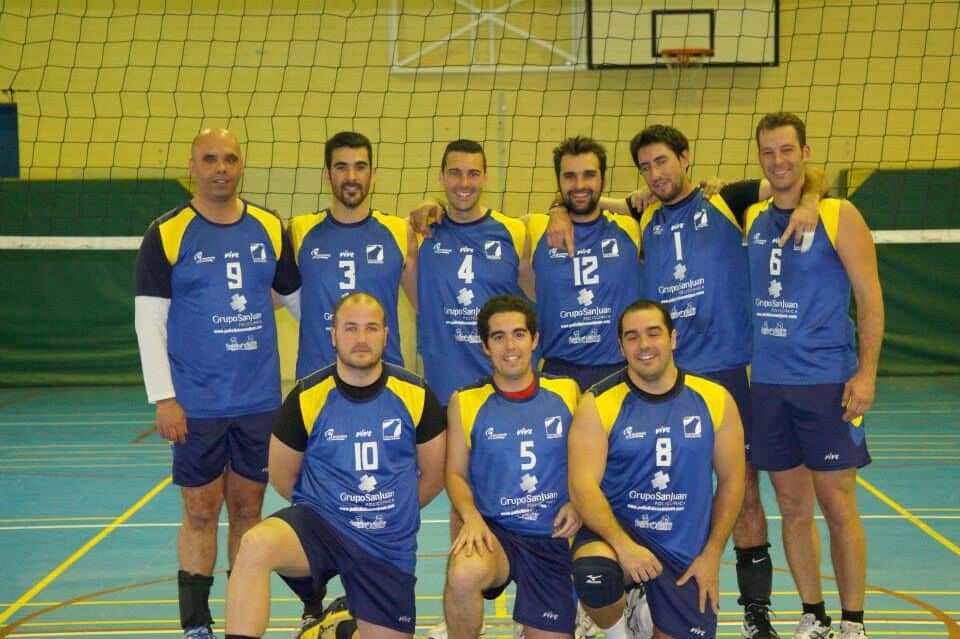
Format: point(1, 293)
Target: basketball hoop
point(685, 57)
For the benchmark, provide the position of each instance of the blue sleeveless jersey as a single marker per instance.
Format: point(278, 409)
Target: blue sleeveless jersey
point(458, 270)
point(802, 329)
point(696, 266)
point(518, 452)
point(221, 331)
point(360, 465)
point(580, 299)
point(659, 474)
point(337, 259)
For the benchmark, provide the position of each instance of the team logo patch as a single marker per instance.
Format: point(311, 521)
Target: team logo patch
point(374, 253)
point(258, 252)
point(609, 247)
point(692, 427)
point(492, 249)
point(390, 429)
point(553, 426)
point(700, 220)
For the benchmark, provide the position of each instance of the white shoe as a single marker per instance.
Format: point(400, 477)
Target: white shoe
point(852, 630)
point(439, 631)
point(585, 628)
point(811, 628)
point(637, 612)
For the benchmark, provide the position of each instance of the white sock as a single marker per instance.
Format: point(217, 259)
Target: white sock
point(617, 630)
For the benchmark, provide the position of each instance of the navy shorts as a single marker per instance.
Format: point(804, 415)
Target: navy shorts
point(803, 424)
point(737, 383)
point(212, 443)
point(378, 592)
point(541, 568)
point(675, 609)
point(585, 376)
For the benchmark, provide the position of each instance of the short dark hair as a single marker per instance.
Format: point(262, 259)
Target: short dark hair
point(646, 305)
point(463, 146)
point(348, 139)
point(505, 304)
point(580, 145)
point(776, 120)
point(659, 134)
point(355, 298)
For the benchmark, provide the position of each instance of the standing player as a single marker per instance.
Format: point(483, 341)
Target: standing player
point(580, 295)
point(506, 476)
point(348, 248)
point(358, 448)
point(810, 392)
point(644, 448)
point(474, 254)
point(208, 344)
point(696, 266)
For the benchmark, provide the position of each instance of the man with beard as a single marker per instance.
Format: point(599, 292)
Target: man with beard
point(204, 268)
point(696, 266)
point(643, 451)
point(358, 448)
point(348, 248)
point(580, 295)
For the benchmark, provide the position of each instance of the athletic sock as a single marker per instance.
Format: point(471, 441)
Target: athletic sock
point(818, 610)
point(754, 575)
point(855, 616)
point(194, 595)
point(616, 631)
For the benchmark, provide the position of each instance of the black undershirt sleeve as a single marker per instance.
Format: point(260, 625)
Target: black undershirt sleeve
point(740, 195)
point(153, 271)
point(288, 426)
point(286, 279)
point(433, 421)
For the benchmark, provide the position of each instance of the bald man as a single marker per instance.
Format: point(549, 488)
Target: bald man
point(208, 345)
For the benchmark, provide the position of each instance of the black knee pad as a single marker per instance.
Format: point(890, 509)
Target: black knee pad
point(598, 580)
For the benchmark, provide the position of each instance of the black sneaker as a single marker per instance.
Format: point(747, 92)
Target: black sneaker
point(334, 615)
point(756, 623)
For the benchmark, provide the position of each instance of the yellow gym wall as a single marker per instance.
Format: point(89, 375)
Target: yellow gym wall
point(118, 90)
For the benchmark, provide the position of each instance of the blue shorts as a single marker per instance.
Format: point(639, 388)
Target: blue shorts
point(377, 591)
point(675, 609)
point(212, 443)
point(541, 568)
point(584, 375)
point(737, 383)
point(803, 424)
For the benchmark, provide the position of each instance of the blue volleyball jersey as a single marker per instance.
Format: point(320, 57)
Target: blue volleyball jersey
point(221, 329)
point(659, 474)
point(336, 259)
point(459, 268)
point(518, 452)
point(580, 299)
point(360, 464)
point(802, 331)
point(696, 266)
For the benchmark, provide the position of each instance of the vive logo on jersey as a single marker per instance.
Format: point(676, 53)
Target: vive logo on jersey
point(629, 433)
point(238, 302)
point(331, 436)
point(700, 220)
point(492, 435)
point(660, 481)
point(374, 253)
point(493, 249)
point(692, 427)
point(585, 297)
point(317, 254)
point(200, 258)
point(391, 429)
point(609, 247)
point(439, 250)
point(368, 483)
point(258, 252)
point(528, 483)
point(553, 426)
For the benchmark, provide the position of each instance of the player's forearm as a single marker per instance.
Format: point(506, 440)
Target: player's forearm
point(726, 507)
point(870, 322)
point(815, 182)
point(461, 496)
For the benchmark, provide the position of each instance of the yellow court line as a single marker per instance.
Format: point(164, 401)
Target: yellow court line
point(72, 559)
point(500, 606)
point(949, 545)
